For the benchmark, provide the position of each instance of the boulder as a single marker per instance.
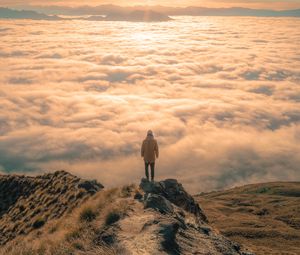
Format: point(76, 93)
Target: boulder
point(175, 193)
point(150, 187)
point(158, 203)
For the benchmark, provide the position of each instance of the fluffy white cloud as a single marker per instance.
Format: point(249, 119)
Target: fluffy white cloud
point(221, 94)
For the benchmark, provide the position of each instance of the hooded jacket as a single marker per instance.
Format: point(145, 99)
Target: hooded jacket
point(149, 149)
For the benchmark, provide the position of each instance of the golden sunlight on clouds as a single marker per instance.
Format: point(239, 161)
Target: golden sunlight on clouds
point(221, 94)
point(141, 38)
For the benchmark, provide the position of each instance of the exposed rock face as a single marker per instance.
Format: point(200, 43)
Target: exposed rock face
point(175, 220)
point(175, 193)
point(159, 203)
point(26, 203)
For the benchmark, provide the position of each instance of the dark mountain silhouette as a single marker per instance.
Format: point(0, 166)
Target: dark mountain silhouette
point(135, 16)
point(116, 15)
point(235, 11)
point(169, 11)
point(6, 13)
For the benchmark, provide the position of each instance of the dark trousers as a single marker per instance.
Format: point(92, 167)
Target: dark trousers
point(152, 170)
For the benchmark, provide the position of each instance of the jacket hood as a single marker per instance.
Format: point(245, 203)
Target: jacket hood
point(150, 134)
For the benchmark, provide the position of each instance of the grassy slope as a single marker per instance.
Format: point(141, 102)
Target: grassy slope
point(76, 232)
point(265, 217)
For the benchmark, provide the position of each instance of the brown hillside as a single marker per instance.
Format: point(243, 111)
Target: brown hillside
point(155, 218)
point(264, 217)
point(27, 203)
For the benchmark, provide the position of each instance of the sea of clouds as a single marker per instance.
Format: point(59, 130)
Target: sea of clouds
point(222, 96)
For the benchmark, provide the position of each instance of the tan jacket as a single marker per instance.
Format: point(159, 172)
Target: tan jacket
point(149, 149)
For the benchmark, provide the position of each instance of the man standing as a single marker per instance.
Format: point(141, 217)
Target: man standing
point(148, 151)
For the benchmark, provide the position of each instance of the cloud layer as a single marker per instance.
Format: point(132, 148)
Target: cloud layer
point(221, 94)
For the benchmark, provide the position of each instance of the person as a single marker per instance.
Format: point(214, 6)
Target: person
point(149, 152)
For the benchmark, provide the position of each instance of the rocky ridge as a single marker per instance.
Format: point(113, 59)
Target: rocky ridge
point(173, 223)
point(154, 218)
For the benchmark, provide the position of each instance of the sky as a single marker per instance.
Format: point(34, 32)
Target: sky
point(221, 95)
point(265, 4)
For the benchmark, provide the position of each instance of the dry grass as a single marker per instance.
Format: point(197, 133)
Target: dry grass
point(32, 201)
point(74, 233)
point(88, 214)
point(263, 217)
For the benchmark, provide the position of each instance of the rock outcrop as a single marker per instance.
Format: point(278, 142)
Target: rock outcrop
point(175, 193)
point(165, 219)
point(27, 203)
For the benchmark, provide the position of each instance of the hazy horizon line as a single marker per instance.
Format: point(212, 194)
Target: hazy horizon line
point(18, 7)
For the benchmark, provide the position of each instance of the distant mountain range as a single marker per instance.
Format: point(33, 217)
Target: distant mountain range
point(136, 14)
point(6, 13)
point(170, 11)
